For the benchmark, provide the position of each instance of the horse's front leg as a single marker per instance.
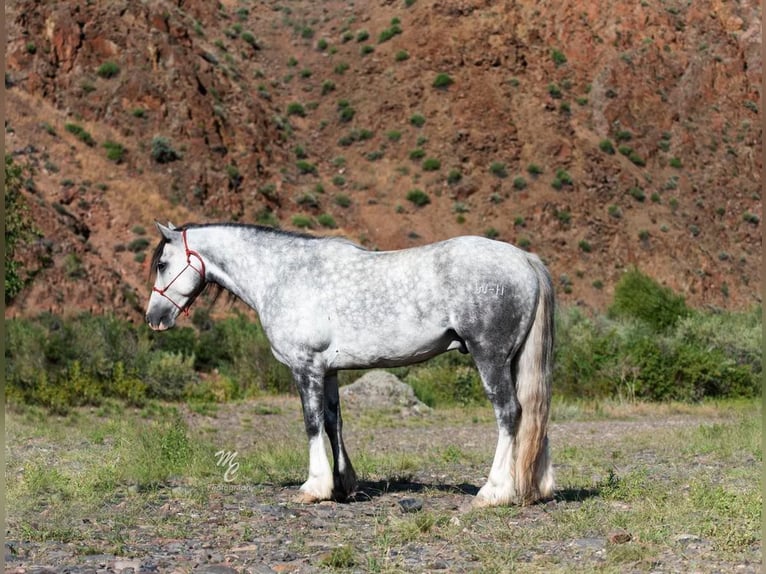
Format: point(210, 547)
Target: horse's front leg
point(319, 485)
point(344, 476)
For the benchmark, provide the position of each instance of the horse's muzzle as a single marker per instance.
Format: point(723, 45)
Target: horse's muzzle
point(160, 325)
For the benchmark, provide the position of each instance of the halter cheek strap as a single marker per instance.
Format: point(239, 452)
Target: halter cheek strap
point(201, 270)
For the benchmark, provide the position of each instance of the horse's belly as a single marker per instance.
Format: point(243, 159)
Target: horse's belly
point(392, 349)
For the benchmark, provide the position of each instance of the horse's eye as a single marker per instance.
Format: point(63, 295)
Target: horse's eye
point(161, 266)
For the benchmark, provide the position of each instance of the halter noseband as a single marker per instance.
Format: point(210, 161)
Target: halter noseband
point(189, 254)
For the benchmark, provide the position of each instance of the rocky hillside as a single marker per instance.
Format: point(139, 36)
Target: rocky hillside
point(597, 134)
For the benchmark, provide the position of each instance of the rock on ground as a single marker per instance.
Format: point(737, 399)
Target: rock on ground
point(382, 390)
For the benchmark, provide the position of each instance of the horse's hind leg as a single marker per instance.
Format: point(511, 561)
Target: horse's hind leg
point(496, 377)
point(319, 485)
point(344, 477)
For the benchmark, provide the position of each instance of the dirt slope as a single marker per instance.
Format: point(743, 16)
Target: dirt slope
point(543, 84)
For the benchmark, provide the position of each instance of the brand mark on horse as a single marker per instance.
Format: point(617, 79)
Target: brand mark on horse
point(485, 288)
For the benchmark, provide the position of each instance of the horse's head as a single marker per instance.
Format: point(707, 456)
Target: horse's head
point(180, 277)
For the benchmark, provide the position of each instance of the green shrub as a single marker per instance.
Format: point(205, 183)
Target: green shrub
point(564, 177)
point(162, 151)
point(519, 183)
point(497, 168)
point(554, 91)
point(417, 153)
point(342, 200)
point(606, 146)
point(108, 70)
point(534, 170)
point(308, 199)
point(80, 133)
point(401, 56)
point(558, 57)
point(640, 297)
point(306, 167)
point(418, 197)
point(454, 176)
point(296, 109)
point(443, 80)
point(637, 193)
point(431, 164)
point(327, 220)
point(19, 227)
point(302, 221)
point(389, 33)
point(447, 380)
point(705, 355)
point(327, 87)
point(266, 217)
point(417, 120)
point(114, 151)
point(346, 113)
point(138, 244)
point(250, 39)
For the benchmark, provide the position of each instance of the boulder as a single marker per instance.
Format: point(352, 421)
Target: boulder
point(382, 390)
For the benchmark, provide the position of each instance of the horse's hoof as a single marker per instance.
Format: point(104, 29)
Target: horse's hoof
point(481, 502)
point(306, 498)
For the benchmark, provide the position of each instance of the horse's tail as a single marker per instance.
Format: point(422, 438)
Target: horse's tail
point(533, 373)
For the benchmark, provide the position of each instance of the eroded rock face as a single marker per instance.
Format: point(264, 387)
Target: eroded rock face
point(198, 105)
point(383, 391)
point(540, 84)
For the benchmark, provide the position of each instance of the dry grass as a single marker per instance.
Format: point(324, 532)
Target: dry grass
point(680, 481)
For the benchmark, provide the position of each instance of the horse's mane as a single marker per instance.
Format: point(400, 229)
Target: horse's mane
point(260, 228)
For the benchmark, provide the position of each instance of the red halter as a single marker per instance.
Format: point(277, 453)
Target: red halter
point(189, 254)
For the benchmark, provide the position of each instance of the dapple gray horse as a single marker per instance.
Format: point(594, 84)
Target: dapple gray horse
point(327, 304)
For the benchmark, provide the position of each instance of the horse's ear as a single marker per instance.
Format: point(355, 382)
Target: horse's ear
point(167, 232)
point(171, 226)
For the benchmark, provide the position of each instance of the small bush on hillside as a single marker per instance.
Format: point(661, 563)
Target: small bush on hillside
point(114, 151)
point(81, 134)
point(606, 146)
point(296, 109)
point(394, 30)
point(342, 200)
point(443, 81)
point(162, 151)
point(534, 170)
point(640, 297)
point(498, 169)
point(108, 70)
point(302, 221)
point(558, 57)
point(327, 220)
point(418, 197)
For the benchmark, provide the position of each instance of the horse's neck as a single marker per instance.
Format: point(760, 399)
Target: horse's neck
point(244, 261)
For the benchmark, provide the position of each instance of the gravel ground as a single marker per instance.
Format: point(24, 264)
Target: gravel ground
point(257, 529)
